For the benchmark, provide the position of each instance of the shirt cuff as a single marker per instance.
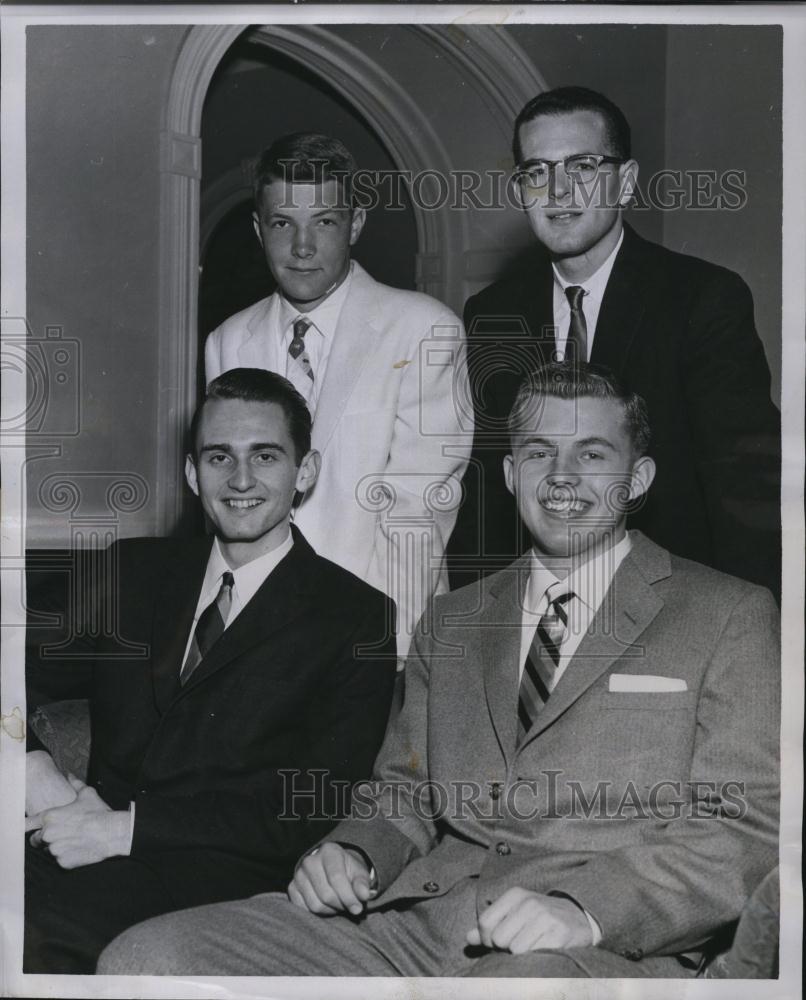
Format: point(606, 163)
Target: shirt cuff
point(373, 883)
point(131, 830)
point(593, 923)
point(596, 930)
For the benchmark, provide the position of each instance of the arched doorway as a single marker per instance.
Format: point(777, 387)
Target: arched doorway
point(482, 78)
point(256, 95)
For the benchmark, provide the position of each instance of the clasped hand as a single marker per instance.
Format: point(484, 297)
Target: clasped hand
point(521, 920)
point(330, 880)
point(335, 879)
point(82, 832)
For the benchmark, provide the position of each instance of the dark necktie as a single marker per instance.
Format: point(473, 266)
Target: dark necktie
point(300, 373)
point(576, 346)
point(209, 627)
point(541, 663)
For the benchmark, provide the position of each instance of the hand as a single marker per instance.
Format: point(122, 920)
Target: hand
point(83, 832)
point(45, 785)
point(330, 880)
point(520, 921)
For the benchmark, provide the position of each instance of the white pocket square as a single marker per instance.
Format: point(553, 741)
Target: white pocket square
point(646, 682)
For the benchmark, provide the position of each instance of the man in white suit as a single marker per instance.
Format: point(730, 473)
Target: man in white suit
point(382, 369)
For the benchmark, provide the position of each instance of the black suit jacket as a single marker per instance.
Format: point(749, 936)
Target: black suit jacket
point(301, 682)
point(680, 332)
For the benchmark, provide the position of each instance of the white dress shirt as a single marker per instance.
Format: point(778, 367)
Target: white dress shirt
point(324, 320)
point(589, 581)
point(591, 302)
point(247, 581)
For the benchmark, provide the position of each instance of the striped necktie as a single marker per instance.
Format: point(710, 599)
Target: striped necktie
point(300, 372)
point(209, 628)
point(576, 345)
point(542, 660)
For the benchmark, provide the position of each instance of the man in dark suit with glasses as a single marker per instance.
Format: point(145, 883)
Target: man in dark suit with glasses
point(677, 329)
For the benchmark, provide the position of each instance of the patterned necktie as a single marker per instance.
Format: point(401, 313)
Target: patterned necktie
point(576, 346)
point(300, 373)
point(209, 627)
point(541, 663)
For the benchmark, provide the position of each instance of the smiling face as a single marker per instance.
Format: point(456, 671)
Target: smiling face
point(306, 232)
point(573, 471)
point(579, 224)
point(246, 474)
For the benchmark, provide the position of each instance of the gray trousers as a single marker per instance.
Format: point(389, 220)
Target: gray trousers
point(269, 936)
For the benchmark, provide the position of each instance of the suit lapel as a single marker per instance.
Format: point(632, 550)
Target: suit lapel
point(540, 312)
point(352, 345)
point(175, 605)
point(253, 348)
point(282, 597)
point(501, 622)
point(623, 306)
point(629, 606)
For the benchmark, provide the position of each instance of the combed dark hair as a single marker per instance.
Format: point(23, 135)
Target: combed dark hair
point(566, 100)
point(304, 158)
point(568, 380)
point(256, 385)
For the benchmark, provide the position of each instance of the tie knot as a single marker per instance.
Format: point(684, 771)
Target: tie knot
point(227, 580)
point(301, 328)
point(558, 599)
point(562, 598)
point(574, 294)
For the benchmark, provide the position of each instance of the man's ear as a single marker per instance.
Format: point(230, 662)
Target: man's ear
point(256, 227)
point(190, 474)
point(509, 473)
point(308, 471)
point(357, 221)
point(643, 473)
point(628, 181)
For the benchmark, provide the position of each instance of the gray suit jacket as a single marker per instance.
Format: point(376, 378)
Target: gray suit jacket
point(652, 803)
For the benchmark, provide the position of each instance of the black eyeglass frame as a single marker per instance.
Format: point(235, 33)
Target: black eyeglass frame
point(523, 169)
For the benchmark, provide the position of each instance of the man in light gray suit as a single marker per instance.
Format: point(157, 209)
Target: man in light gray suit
point(582, 780)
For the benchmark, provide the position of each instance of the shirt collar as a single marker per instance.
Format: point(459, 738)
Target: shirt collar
point(589, 580)
point(325, 316)
point(249, 577)
point(595, 285)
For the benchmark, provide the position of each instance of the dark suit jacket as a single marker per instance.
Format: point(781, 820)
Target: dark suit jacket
point(647, 787)
point(680, 332)
point(286, 687)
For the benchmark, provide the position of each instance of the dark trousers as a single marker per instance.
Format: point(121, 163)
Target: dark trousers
point(72, 914)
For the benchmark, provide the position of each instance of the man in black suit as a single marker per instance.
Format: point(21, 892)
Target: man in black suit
point(260, 695)
point(676, 329)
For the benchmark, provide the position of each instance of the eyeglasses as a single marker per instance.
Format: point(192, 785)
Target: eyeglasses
point(581, 168)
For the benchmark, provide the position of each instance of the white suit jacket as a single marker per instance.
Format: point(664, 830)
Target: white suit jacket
point(394, 430)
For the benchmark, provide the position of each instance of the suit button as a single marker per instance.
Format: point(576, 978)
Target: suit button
point(495, 790)
point(503, 848)
point(430, 887)
point(143, 791)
